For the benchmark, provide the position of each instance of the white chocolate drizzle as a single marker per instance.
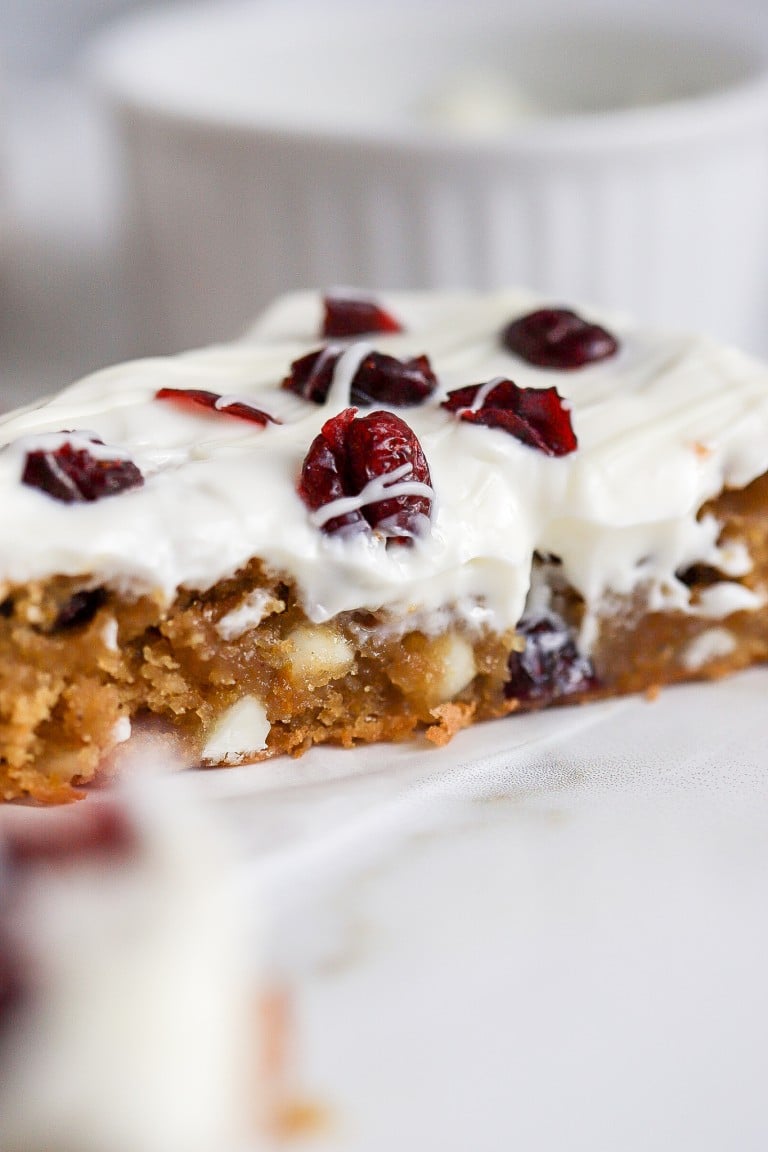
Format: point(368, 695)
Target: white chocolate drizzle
point(387, 487)
point(344, 372)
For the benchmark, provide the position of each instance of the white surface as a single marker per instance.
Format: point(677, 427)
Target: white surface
point(269, 148)
point(560, 946)
point(550, 935)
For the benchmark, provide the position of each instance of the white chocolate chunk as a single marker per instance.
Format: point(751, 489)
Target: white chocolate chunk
point(706, 647)
point(724, 598)
point(109, 634)
point(256, 606)
point(318, 655)
point(458, 666)
point(122, 730)
point(240, 732)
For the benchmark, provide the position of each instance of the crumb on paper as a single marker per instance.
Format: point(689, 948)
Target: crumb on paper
point(450, 718)
point(286, 1112)
point(295, 1118)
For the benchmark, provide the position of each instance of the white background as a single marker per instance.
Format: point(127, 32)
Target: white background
point(64, 261)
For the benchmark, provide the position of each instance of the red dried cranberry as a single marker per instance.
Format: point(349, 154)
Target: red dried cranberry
point(379, 379)
point(349, 455)
point(311, 376)
point(534, 415)
point(13, 988)
point(347, 316)
point(383, 379)
point(323, 474)
point(101, 830)
point(550, 666)
point(382, 444)
point(214, 402)
point(80, 608)
point(558, 338)
point(74, 475)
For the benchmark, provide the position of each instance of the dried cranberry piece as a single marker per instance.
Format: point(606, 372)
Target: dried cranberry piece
point(200, 398)
point(350, 456)
point(699, 575)
point(379, 379)
point(98, 830)
point(323, 474)
point(383, 379)
point(101, 832)
point(536, 416)
point(382, 444)
point(75, 475)
point(13, 988)
point(80, 608)
point(558, 338)
point(311, 376)
point(550, 666)
point(350, 316)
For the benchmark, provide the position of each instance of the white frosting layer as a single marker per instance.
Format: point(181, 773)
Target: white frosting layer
point(662, 427)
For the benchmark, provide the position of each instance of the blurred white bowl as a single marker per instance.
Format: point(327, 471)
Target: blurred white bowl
point(284, 143)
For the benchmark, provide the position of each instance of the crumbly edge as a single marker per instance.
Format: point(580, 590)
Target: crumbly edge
point(78, 661)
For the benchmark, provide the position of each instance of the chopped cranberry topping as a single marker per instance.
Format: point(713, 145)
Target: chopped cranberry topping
point(75, 475)
point(349, 456)
point(199, 398)
point(382, 379)
point(379, 445)
point(379, 379)
point(311, 376)
point(550, 666)
point(558, 338)
point(323, 474)
point(347, 316)
point(534, 415)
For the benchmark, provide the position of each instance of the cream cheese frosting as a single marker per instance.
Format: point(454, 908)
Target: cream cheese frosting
point(662, 427)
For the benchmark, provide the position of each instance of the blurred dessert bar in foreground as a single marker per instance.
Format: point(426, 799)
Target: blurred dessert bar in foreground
point(126, 1002)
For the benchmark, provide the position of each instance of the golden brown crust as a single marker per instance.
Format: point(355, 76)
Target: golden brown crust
point(450, 718)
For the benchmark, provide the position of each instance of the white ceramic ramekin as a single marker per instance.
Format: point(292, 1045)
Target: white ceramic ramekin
point(276, 144)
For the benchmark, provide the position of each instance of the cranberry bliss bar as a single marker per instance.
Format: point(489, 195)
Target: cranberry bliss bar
point(371, 517)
